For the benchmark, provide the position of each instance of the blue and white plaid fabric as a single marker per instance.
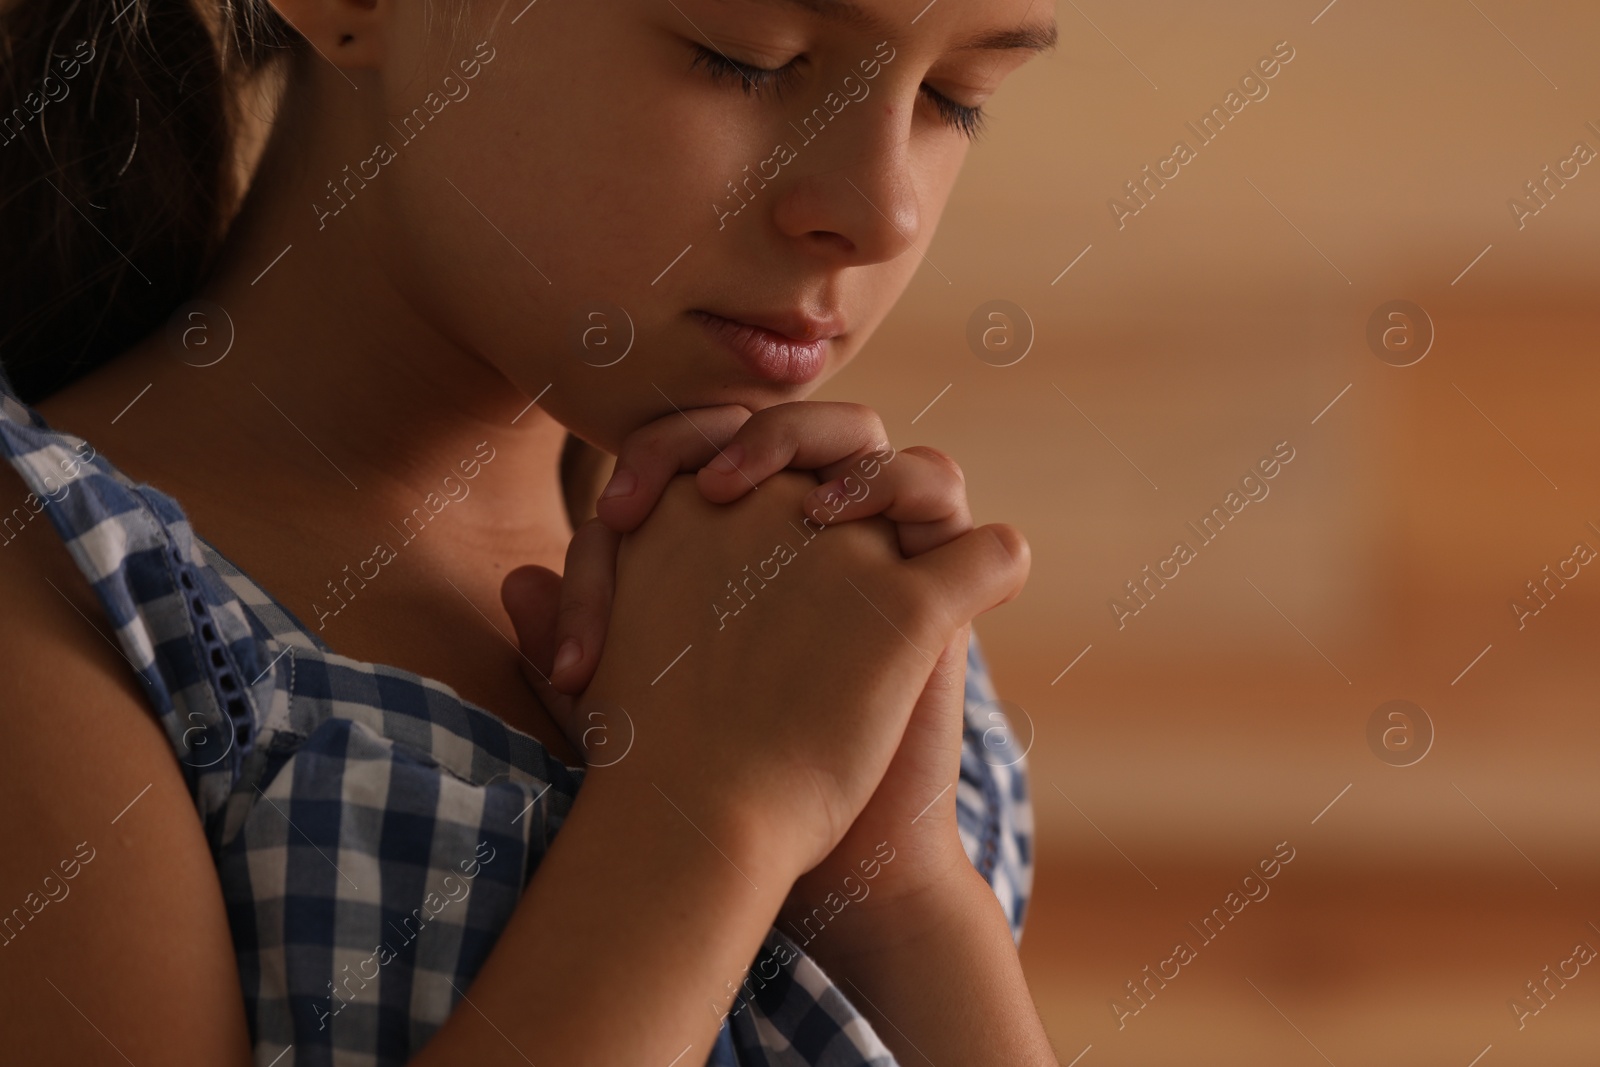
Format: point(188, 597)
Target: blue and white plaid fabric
point(372, 830)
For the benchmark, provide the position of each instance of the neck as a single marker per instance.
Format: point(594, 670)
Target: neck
point(339, 410)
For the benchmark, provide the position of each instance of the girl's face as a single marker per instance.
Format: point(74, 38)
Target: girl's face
point(649, 204)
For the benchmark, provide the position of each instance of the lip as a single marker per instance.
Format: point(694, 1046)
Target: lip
point(789, 348)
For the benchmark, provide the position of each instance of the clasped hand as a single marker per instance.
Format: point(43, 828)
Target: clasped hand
point(916, 495)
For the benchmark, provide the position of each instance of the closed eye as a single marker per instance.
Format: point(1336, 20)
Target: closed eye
point(968, 121)
point(754, 81)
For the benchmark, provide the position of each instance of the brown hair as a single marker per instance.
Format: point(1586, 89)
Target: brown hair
point(117, 122)
point(118, 177)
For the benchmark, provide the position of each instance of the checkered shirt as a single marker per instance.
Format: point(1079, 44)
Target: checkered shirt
point(372, 830)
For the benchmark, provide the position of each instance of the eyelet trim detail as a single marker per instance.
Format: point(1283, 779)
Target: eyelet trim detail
point(218, 665)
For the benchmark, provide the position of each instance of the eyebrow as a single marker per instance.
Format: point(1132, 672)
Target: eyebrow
point(846, 12)
point(1037, 38)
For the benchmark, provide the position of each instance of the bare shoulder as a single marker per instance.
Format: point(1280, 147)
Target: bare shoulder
point(114, 941)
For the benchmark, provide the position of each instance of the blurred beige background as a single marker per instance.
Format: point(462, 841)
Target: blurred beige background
point(1233, 710)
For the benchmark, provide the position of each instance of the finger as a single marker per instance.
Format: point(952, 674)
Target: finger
point(652, 454)
point(948, 681)
point(804, 434)
point(979, 570)
point(529, 595)
point(587, 586)
point(936, 726)
point(922, 490)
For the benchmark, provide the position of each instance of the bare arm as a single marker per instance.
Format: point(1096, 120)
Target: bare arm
point(631, 907)
point(132, 955)
point(656, 894)
point(965, 998)
point(939, 977)
point(115, 940)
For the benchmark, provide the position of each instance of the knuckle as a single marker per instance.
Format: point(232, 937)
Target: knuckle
point(760, 420)
point(858, 411)
point(867, 545)
point(576, 608)
point(666, 441)
point(575, 616)
point(720, 424)
point(869, 418)
point(766, 431)
point(942, 459)
point(590, 535)
point(1013, 545)
point(583, 544)
point(648, 440)
point(590, 528)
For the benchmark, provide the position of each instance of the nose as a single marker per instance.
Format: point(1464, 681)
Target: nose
point(855, 201)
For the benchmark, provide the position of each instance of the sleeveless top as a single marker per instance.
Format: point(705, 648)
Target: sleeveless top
point(371, 829)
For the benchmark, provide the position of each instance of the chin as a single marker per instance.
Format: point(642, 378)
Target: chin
point(759, 397)
point(606, 429)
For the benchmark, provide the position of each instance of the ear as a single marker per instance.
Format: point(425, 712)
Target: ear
point(348, 33)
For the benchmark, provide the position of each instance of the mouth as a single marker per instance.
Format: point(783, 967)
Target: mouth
point(786, 348)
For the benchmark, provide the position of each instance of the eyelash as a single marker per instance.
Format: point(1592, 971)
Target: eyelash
point(968, 121)
point(753, 80)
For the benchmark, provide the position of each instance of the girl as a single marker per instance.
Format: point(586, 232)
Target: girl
point(361, 285)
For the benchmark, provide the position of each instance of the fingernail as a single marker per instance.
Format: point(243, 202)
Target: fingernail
point(727, 460)
point(622, 483)
point(568, 654)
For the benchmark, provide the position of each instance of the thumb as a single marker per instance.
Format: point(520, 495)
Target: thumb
point(980, 570)
point(930, 749)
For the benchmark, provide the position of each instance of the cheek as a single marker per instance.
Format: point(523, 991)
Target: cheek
point(583, 185)
point(592, 178)
point(561, 182)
